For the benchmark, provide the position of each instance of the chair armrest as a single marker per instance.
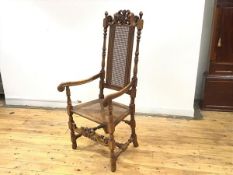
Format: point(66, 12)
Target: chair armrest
point(62, 86)
point(108, 98)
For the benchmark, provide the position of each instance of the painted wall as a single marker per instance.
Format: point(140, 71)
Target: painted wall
point(43, 43)
point(204, 57)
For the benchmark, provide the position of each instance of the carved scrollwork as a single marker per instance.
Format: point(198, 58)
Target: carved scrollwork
point(91, 134)
point(123, 17)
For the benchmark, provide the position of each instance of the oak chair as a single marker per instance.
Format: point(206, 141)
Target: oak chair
point(117, 76)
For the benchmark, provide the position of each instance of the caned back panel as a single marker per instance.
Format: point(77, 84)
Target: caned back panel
point(119, 56)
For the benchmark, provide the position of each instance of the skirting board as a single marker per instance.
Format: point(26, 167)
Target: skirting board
point(36, 103)
point(168, 112)
point(62, 104)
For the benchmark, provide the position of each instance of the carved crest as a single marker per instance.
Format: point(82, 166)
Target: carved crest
point(123, 17)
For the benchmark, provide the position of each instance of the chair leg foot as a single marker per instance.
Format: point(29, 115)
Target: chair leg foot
point(135, 141)
point(113, 165)
point(74, 145)
point(73, 140)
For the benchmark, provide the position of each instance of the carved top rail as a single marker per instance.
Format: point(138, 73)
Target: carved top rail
point(124, 17)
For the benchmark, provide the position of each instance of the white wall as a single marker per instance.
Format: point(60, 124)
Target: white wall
point(204, 57)
point(45, 42)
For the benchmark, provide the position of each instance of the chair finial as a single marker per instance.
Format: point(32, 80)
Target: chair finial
point(140, 14)
point(106, 14)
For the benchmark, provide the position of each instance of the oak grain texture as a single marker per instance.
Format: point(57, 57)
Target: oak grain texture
point(34, 141)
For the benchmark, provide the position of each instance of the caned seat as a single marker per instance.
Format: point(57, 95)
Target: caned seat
point(115, 74)
point(95, 111)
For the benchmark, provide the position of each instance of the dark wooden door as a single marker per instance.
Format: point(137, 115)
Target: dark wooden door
point(225, 38)
point(218, 94)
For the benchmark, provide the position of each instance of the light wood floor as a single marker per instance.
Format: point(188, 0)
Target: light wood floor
point(36, 141)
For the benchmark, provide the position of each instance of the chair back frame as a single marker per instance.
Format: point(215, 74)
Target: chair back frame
point(111, 76)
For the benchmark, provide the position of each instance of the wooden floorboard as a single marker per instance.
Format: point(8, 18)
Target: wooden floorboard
point(36, 141)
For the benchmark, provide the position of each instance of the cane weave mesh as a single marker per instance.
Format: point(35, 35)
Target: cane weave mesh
point(118, 60)
point(119, 56)
point(94, 110)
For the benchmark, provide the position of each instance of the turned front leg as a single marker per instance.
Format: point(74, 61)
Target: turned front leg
point(112, 144)
point(72, 133)
point(71, 120)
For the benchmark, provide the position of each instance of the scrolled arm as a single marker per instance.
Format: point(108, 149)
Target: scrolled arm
point(108, 98)
point(62, 86)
